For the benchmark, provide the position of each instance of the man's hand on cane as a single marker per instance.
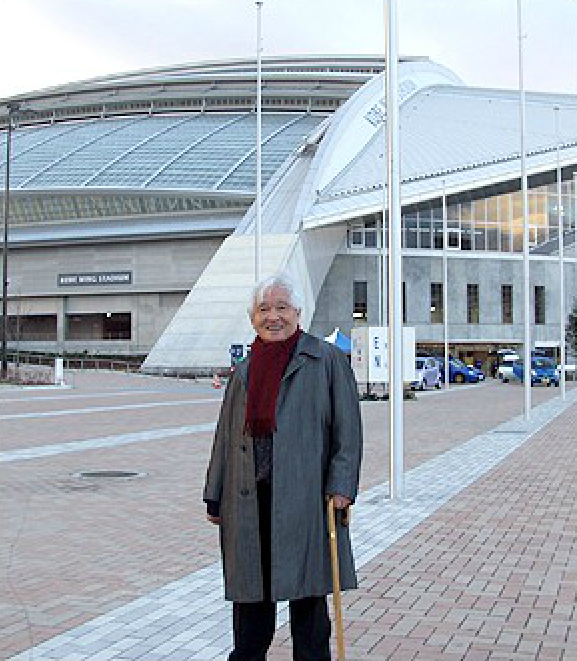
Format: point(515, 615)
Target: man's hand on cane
point(341, 502)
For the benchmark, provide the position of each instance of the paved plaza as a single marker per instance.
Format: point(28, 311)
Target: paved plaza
point(478, 561)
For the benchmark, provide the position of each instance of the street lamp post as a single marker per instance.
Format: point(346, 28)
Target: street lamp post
point(561, 225)
point(393, 203)
point(526, 274)
point(12, 110)
point(258, 201)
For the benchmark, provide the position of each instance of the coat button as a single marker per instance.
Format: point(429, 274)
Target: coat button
point(244, 492)
point(243, 448)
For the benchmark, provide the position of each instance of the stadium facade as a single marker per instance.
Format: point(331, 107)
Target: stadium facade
point(132, 217)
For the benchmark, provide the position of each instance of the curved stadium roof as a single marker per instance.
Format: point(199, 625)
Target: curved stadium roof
point(197, 151)
point(180, 141)
point(175, 139)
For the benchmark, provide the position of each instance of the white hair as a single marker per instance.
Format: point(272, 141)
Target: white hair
point(280, 281)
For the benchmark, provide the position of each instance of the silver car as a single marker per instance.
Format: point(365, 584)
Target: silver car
point(427, 373)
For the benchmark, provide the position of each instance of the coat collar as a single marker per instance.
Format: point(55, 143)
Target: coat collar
point(306, 346)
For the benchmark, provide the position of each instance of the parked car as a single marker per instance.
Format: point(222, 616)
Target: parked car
point(458, 371)
point(479, 372)
point(543, 370)
point(505, 369)
point(426, 373)
point(569, 370)
point(497, 357)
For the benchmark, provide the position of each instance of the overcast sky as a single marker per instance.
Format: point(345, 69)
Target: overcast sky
point(48, 42)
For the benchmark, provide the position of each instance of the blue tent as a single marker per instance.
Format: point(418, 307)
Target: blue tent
point(340, 340)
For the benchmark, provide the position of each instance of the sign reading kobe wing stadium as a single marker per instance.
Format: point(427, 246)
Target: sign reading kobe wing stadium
point(103, 278)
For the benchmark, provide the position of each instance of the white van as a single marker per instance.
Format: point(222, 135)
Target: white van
point(426, 373)
point(505, 370)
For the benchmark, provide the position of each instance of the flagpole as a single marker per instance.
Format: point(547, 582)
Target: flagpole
point(561, 256)
point(445, 292)
point(258, 226)
point(526, 283)
point(395, 320)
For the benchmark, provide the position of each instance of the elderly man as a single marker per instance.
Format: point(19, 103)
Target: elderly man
point(288, 437)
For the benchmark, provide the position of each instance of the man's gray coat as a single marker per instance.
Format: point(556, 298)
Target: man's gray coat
point(316, 451)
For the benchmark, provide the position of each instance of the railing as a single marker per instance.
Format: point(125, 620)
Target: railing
point(81, 363)
point(29, 375)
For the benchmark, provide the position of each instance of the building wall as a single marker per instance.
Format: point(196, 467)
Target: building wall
point(162, 273)
point(335, 302)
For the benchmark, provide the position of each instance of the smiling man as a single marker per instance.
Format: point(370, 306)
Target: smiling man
point(288, 436)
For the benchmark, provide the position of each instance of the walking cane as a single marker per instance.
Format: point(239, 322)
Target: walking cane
point(336, 576)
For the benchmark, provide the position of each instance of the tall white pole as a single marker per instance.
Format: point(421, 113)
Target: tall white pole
point(526, 283)
point(381, 248)
point(258, 226)
point(396, 468)
point(445, 292)
point(560, 213)
point(575, 248)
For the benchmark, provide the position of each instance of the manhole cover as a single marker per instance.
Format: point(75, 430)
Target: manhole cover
point(509, 431)
point(106, 474)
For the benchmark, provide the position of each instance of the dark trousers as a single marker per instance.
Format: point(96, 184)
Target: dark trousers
point(254, 623)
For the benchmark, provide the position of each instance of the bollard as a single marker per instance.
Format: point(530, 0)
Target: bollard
point(59, 372)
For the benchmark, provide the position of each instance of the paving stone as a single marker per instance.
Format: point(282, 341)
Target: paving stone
point(486, 521)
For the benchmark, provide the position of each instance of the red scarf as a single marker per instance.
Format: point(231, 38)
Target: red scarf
point(268, 361)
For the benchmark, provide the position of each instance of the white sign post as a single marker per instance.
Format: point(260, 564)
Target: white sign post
point(370, 354)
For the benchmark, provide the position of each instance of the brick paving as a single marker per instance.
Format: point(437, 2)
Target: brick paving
point(79, 550)
point(491, 575)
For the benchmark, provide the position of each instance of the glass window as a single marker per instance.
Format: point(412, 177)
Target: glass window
point(466, 238)
point(424, 236)
point(438, 235)
point(364, 235)
point(360, 299)
point(410, 225)
point(404, 302)
point(479, 209)
point(517, 239)
point(466, 213)
point(356, 237)
point(539, 304)
point(35, 327)
point(436, 302)
point(99, 326)
point(493, 208)
point(506, 304)
point(370, 238)
point(425, 228)
point(472, 304)
point(480, 242)
point(492, 236)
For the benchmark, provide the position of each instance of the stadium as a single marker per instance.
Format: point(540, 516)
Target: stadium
point(131, 224)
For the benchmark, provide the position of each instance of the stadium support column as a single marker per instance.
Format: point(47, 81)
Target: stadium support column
point(258, 227)
point(560, 218)
point(396, 468)
point(526, 283)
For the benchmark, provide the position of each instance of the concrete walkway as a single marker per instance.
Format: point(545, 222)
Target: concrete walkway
point(478, 562)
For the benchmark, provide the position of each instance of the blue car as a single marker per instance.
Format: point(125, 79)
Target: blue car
point(543, 370)
point(458, 371)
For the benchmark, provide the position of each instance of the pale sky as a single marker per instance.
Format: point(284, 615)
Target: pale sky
point(49, 42)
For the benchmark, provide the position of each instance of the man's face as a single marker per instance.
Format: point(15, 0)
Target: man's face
point(274, 318)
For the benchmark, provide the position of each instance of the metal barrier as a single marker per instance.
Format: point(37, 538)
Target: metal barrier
point(76, 363)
